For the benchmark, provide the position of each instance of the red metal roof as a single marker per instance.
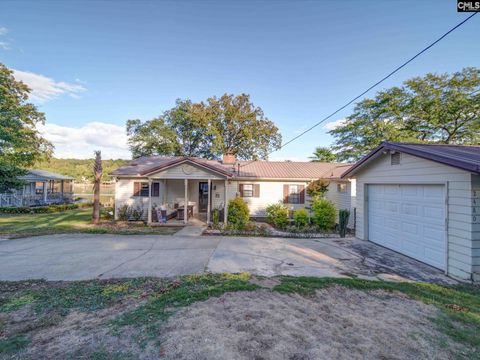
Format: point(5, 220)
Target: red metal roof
point(243, 169)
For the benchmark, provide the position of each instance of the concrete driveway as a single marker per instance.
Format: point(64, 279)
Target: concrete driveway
point(85, 256)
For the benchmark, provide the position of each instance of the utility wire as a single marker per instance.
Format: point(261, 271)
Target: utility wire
point(371, 87)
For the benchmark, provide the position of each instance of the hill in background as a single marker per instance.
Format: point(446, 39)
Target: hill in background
point(79, 169)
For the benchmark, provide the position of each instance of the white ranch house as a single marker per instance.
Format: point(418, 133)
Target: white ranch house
point(41, 188)
point(168, 183)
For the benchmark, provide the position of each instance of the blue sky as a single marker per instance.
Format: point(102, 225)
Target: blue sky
point(94, 64)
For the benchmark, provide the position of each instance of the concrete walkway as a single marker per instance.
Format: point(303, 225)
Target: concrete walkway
point(194, 227)
point(88, 256)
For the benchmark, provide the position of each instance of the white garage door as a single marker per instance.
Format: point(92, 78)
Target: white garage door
point(409, 219)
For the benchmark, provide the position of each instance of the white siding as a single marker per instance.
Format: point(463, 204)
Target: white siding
point(341, 200)
point(186, 170)
point(475, 203)
point(414, 170)
point(271, 192)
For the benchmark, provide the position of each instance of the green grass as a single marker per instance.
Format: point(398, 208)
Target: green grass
point(178, 294)
point(13, 344)
point(69, 222)
point(459, 305)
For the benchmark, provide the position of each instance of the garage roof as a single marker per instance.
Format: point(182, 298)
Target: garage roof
point(459, 156)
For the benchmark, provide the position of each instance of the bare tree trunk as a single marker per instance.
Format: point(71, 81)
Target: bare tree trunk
point(97, 173)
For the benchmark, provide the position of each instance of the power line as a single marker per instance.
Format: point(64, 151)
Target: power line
point(372, 86)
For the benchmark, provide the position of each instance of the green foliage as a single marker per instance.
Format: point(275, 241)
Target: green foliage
point(435, 108)
point(343, 216)
point(42, 209)
point(323, 213)
point(123, 212)
point(182, 293)
point(238, 213)
point(21, 145)
point(323, 154)
point(79, 169)
point(229, 124)
point(215, 218)
point(301, 218)
point(277, 215)
point(317, 188)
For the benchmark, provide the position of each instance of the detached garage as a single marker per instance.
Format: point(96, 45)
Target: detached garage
point(422, 201)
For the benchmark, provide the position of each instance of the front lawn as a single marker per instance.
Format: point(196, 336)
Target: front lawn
point(221, 316)
point(70, 221)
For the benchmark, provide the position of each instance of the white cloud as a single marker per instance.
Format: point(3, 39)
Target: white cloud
point(4, 45)
point(335, 124)
point(45, 88)
point(81, 142)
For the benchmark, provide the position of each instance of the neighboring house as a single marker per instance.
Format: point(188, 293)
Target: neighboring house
point(41, 188)
point(170, 182)
point(422, 201)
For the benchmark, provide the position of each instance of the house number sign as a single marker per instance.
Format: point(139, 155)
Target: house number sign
point(476, 206)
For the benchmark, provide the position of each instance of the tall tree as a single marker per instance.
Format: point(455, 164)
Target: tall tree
point(323, 154)
point(435, 108)
point(97, 176)
point(21, 145)
point(241, 128)
point(229, 124)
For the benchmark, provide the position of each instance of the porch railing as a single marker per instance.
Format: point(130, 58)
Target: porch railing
point(35, 200)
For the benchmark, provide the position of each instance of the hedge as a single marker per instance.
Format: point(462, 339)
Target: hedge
point(42, 209)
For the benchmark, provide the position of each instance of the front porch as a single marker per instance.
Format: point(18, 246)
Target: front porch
point(179, 202)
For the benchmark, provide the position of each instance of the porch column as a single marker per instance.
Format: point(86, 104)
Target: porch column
point(45, 190)
point(226, 203)
point(164, 197)
point(185, 203)
point(208, 202)
point(149, 212)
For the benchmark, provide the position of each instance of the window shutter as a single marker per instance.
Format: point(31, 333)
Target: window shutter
point(285, 194)
point(256, 190)
point(156, 189)
point(240, 189)
point(301, 190)
point(136, 188)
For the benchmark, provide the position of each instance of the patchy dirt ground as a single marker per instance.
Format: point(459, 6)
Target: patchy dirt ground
point(238, 316)
point(337, 323)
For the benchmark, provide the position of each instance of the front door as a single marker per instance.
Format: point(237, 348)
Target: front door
point(203, 196)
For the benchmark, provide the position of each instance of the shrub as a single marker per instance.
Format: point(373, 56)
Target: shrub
point(42, 209)
point(277, 215)
point(317, 188)
point(215, 218)
point(301, 217)
point(238, 213)
point(343, 216)
point(123, 212)
point(323, 213)
point(137, 213)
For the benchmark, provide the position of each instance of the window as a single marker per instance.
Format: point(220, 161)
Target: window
point(395, 158)
point(141, 189)
point(342, 188)
point(294, 194)
point(38, 188)
point(249, 190)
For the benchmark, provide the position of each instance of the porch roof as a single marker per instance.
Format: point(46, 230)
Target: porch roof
point(43, 175)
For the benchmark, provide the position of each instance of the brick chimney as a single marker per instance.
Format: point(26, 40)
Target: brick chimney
point(229, 159)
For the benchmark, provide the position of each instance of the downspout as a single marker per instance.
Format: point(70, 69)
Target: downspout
point(447, 250)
